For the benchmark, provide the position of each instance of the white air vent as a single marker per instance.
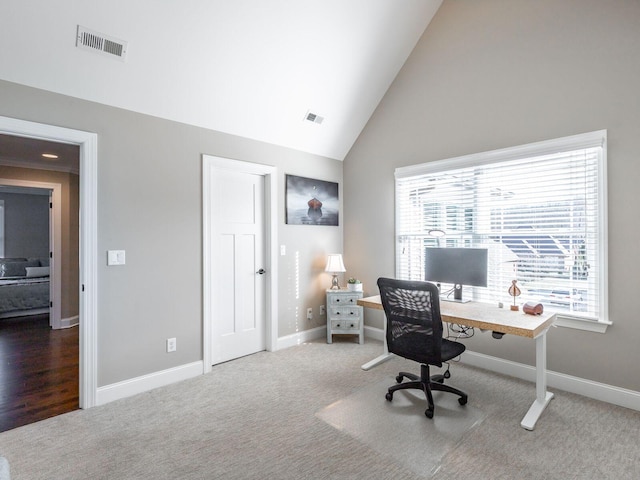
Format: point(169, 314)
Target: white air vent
point(313, 117)
point(101, 43)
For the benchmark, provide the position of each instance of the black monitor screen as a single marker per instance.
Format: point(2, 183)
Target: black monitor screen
point(463, 266)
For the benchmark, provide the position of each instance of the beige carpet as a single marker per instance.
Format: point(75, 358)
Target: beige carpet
point(256, 418)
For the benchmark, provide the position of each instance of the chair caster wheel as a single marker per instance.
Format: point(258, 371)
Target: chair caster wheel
point(462, 400)
point(399, 378)
point(428, 413)
point(389, 396)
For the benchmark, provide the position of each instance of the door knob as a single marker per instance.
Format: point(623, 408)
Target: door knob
point(262, 271)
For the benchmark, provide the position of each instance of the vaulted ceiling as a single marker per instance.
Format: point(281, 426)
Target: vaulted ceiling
point(252, 68)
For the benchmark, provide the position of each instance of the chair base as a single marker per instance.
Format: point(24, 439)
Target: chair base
point(427, 384)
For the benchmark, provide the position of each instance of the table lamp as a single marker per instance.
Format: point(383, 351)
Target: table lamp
point(335, 266)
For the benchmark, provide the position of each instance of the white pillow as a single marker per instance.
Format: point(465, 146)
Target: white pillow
point(37, 271)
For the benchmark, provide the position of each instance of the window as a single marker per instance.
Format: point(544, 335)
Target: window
point(539, 209)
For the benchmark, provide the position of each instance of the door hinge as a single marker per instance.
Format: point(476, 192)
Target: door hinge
point(50, 204)
point(83, 287)
point(50, 254)
point(50, 304)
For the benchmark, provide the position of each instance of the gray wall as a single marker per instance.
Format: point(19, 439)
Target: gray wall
point(150, 204)
point(497, 73)
point(26, 225)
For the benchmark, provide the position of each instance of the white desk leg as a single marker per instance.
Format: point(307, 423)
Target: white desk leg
point(385, 354)
point(378, 360)
point(542, 396)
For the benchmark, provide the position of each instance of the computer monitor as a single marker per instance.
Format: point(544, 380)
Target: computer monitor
point(459, 266)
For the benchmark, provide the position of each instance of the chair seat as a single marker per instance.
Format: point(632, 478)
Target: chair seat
point(412, 345)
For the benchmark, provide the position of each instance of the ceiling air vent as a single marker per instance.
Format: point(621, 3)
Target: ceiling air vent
point(313, 118)
point(101, 43)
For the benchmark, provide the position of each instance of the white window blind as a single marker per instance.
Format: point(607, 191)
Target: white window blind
point(539, 209)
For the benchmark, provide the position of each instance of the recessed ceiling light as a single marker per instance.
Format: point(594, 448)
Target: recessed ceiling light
point(49, 155)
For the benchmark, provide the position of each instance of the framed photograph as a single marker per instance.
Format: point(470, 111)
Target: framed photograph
point(311, 202)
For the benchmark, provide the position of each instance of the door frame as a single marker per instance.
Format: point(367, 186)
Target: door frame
point(209, 163)
point(88, 143)
point(55, 243)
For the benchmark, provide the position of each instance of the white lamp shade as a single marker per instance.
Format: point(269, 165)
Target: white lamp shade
point(334, 263)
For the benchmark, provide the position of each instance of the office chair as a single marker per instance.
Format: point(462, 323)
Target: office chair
point(414, 331)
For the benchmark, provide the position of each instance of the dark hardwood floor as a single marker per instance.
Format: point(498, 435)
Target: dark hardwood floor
point(38, 371)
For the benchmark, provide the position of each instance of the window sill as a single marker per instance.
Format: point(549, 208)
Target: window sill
point(597, 326)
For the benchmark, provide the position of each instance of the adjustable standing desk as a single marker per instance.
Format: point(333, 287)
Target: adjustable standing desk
point(489, 317)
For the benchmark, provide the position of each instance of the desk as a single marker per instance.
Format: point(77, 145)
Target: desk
point(488, 317)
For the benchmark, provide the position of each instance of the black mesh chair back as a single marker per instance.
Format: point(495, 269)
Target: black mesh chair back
point(414, 326)
point(414, 331)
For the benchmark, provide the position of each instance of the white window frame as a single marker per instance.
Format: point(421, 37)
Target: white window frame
point(575, 142)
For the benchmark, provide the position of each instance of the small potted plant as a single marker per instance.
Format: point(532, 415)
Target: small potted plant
point(354, 285)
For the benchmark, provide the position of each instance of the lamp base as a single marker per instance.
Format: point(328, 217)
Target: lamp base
point(334, 282)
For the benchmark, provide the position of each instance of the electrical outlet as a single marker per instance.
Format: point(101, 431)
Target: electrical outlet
point(322, 310)
point(171, 345)
point(309, 313)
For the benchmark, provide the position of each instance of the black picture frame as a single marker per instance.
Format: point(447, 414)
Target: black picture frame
point(309, 201)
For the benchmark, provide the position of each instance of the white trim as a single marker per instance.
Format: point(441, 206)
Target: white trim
point(583, 140)
point(88, 143)
point(144, 383)
point(70, 321)
point(299, 338)
point(587, 388)
point(55, 242)
point(271, 239)
point(586, 325)
point(598, 138)
point(580, 386)
point(374, 333)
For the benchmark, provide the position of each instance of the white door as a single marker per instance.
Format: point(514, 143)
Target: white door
point(238, 264)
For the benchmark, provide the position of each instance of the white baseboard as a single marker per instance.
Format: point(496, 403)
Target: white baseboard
point(69, 321)
point(587, 388)
point(133, 386)
point(301, 337)
point(374, 333)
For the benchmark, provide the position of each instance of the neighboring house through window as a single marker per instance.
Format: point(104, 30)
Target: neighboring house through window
point(539, 209)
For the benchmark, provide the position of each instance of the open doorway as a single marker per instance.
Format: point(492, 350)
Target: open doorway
point(39, 276)
point(88, 263)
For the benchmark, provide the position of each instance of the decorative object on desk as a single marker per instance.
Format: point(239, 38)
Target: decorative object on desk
point(311, 202)
point(533, 308)
point(354, 285)
point(514, 291)
point(335, 266)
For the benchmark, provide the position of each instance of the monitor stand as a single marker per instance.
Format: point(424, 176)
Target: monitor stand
point(457, 295)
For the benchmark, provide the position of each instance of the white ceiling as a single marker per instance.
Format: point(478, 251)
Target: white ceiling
point(251, 68)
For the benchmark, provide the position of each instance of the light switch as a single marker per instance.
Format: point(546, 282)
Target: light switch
point(115, 257)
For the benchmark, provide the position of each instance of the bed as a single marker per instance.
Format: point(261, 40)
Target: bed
point(24, 286)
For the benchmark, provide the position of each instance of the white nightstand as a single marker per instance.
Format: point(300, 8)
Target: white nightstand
point(344, 316)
